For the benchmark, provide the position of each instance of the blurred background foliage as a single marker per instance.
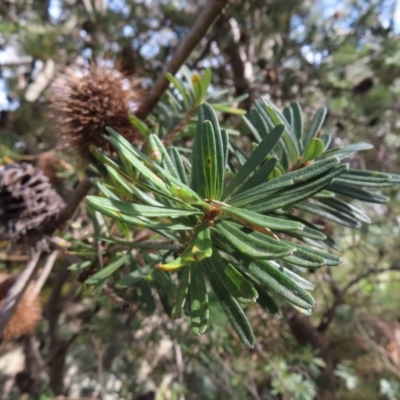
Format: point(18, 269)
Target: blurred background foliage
point(344, 55)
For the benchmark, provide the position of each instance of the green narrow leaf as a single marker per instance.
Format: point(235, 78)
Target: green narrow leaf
point(127, 154)
point(351, 180)
point(236, 284)
point(328, 214)
point(117, 206)
point(210, 161)
point(225, 143)
point(165, 289)
point(289, 197)
point(127, 187)
point(267, 302)
point(292, 148)
point(159, 152)
point(107, 271)
point(303, 283)
point(178, 164)
point(199, 311)
point(232, 309)
point(366, 176)
point(250, 124)
point(255, 159)
point(140, 126)
point(260, 176)
point(331, 260)
point(302, 175)
point(198, 89)
point(258, 247)
point(347, 208)
point(349, 150)
point(200, 247)
point(280, 284)
point(181, 293)
point(198, 178)
point(305, 259)
point(221, 146)
point(178, 84)
point(297, 121)
point(207, 75)
point(315, 126)
point(140, 222)
point(146, 299)
point(288, 114)
point(359, 194)
point(260, 220)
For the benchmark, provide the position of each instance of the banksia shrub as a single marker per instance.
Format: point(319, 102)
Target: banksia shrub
point(29, 206)
point(83, 105)
point(239, 225)
point(28, 313)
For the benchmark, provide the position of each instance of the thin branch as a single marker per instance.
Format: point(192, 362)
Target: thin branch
point(207, 17)
point(16, 292)
point(78, 195)
point(46, 271)
point(100, 374)
point(382, 351)
point(178, 128)
point(118, 299)
point(179, 365)
point(339, 294)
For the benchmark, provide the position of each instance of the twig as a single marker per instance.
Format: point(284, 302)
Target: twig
point(178, 128)
point(207, 17)
point(339, 294)
point(18, 289)
point(77, 196)
point(117, 299)
point(13, 258)
point(100, 375)
point(37, 356)
point(46, 271)
point(382, 351)
point(179, 365)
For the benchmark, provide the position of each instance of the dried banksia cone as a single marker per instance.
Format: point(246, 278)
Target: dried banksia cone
point(82, 106)
point(27, 314)
point(29, 206)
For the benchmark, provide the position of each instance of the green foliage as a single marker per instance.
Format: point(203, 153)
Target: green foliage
point(234, 230)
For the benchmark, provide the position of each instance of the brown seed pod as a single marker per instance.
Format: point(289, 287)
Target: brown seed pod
point(82, 106)
point(28, 313)
point(29, 206)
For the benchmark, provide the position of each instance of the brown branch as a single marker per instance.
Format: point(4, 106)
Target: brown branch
point(16, 292)
point(237, 59)
point(178, 128)
point(78, 195)
point(339, 294)
point(46, 270)
point(206, 18)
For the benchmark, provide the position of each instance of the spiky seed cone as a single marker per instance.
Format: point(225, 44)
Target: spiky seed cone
point(28, 313)
point(29, 206)
point(83, 106)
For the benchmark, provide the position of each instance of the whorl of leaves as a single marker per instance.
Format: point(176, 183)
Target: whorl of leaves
point(83, 105)
point(28, 205)
point(239, 225)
